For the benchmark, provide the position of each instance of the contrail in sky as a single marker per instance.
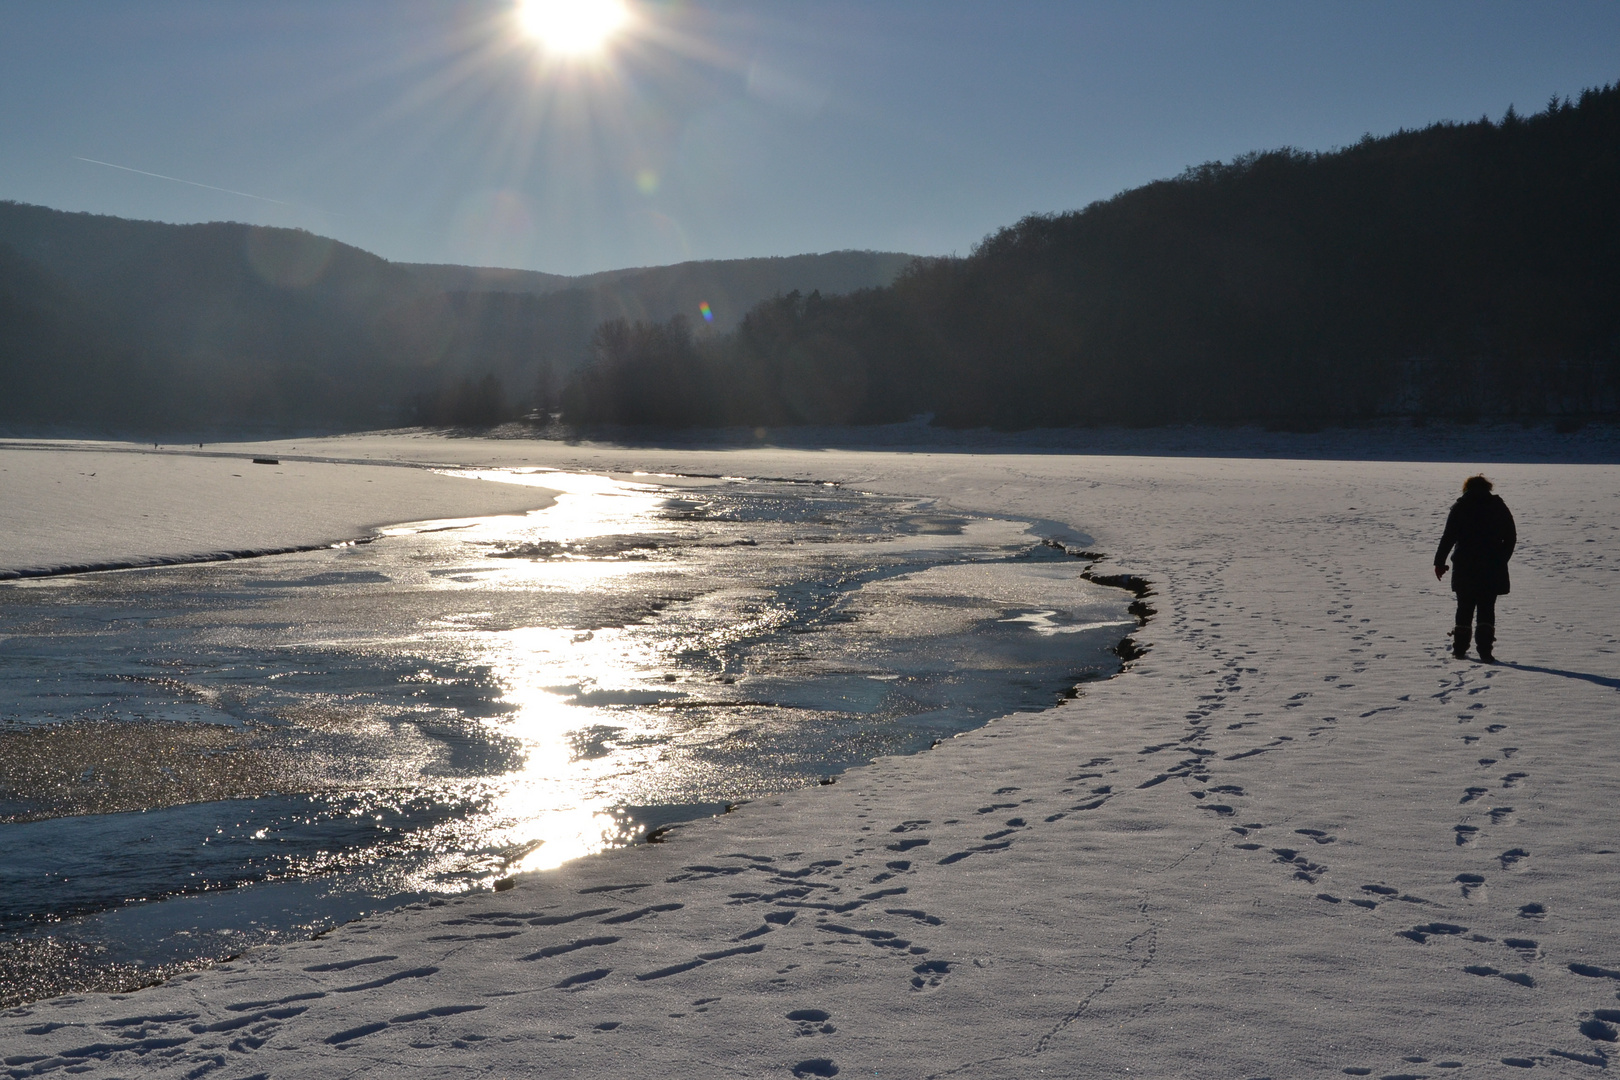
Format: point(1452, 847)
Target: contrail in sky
point(177, 180)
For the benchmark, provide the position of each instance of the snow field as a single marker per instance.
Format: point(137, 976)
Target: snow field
point(1295, 838)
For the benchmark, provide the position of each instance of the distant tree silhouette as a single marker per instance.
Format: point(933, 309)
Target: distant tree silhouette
point(643, 373)
point(467, 403)
point(1463, 270)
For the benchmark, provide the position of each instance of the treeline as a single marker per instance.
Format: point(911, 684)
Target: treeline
point(793, 360)
point(1461, 270)
point(531, 331)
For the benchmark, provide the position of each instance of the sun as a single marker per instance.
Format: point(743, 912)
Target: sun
point(572, 27)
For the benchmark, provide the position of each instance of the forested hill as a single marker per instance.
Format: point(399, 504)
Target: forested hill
point(1459, 270)
point(729, 286)
point(137, 325)
point(118, 325)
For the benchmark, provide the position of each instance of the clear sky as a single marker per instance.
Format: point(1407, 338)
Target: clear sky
point(443, 132)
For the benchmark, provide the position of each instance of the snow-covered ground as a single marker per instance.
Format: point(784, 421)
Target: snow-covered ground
point(91, 505)
point(1295, 838)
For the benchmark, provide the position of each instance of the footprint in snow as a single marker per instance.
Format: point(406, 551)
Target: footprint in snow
point(958, 856)
point(929, 974)
point(1600, 1027)
point(1527, 947)
point(811, 1022)
point(360, 1031)
point(640, 913)
point(1421, 934)
point(1511, 856)
point(1389, 1076)
point(897, 866)
point(583, 978)
point(1592, 971)
point(1486, 971)
point(1599, 1059)
point(1304, 869)
point(632, 887)
point(1411, 1060)
point(568, 947)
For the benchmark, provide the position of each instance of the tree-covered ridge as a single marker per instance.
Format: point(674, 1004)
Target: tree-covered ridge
point(118, 325)
point(1458, 270)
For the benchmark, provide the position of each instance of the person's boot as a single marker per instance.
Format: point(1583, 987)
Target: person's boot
point(1486, 640)
point(1459, 641)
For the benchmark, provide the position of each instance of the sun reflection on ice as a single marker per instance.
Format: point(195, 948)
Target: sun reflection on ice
point(562, 798)
point(641, 697)
point(559, 683)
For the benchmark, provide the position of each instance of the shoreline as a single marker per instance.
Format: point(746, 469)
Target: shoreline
point(1494, 441)
point(149, 562)
point(1245, 854)
point(1487, 440)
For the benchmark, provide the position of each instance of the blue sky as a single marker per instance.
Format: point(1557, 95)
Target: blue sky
point(437, 132)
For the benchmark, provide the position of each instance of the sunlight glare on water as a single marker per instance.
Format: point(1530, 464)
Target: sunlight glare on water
point(555, 807)
point(299, 738)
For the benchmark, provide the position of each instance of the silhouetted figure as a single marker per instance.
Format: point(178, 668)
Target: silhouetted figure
point(1480, 528)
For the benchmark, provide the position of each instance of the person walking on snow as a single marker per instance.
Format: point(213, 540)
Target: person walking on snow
point(1480, 528)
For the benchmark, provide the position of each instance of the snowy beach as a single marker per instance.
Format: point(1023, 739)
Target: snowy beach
point(1294, 838)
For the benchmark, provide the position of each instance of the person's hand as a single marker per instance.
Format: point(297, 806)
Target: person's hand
point(1440, 571)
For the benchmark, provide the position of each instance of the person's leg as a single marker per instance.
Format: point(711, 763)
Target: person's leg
point(1465, 619)
point(1486, 635)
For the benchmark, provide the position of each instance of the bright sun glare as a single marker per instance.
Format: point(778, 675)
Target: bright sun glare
point(572, 27)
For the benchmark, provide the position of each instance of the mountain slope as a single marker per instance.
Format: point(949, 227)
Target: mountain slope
point(138, 325)
point(1461, 270)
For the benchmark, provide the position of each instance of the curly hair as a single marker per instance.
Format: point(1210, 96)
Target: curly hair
point(1476, 484)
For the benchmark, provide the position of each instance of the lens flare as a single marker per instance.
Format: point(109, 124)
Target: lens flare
point(572, 27)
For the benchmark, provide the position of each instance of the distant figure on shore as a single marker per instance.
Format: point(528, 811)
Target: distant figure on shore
point(1480, 528)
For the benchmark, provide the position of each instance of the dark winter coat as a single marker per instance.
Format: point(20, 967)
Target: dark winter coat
point(1481, 528)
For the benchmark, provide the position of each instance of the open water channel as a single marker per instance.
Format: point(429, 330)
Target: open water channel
point(200, 758)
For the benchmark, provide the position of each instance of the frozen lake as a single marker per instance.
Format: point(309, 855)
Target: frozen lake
point(196, 759)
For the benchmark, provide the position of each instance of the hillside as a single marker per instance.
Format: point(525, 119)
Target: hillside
point(729, 286)
point(732, 286)
point(118, 325)
point(1460, 270)
point(448, 277)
